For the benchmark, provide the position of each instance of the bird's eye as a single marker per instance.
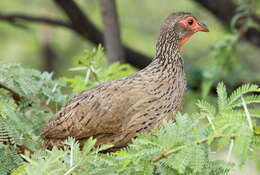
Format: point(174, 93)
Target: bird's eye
point(190, 22)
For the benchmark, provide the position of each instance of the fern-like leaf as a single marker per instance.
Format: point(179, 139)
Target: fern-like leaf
point(222, 96)
point(244, 89)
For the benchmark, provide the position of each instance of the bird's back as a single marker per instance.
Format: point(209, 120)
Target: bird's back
point(106, 112)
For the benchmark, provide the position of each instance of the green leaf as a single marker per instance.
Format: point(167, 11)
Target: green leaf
point(244, 89)
point(252, 99)
point(222, 96)
point(206, 107)
point(89, 145)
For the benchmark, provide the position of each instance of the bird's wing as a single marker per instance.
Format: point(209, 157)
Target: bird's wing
point(100, 110)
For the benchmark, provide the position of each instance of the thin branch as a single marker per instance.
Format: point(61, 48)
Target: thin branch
point(23, 149)
point(168, 153)
point(16, 96)
point(13, 18)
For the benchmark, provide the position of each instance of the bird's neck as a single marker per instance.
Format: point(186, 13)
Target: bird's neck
point(168, 63)
point(167, 51)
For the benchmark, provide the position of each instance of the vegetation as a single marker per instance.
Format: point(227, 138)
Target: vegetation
point(181, 147)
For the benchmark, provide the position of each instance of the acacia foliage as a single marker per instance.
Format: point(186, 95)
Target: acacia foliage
point(181, 147)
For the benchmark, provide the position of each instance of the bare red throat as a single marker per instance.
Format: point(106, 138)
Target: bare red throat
point(183, 41)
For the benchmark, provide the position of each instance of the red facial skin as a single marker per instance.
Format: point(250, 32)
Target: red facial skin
point(195, 26)
point(183, 41)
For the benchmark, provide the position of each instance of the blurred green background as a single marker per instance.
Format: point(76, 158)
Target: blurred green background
point(139, 22)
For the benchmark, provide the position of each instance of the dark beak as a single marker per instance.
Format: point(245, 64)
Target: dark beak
point(202, 28)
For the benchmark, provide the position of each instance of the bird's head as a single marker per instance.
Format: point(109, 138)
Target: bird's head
point(182, 26)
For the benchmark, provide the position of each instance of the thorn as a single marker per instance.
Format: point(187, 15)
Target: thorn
point(230, 150)
point(70, 170)
point(71, 154)
point(53, 90)
point(248, 117)
point(211, 123)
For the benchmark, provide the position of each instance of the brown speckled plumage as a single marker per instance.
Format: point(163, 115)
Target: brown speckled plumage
point(114, 112)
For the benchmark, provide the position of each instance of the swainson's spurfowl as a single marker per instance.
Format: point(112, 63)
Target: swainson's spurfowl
point(114, 112)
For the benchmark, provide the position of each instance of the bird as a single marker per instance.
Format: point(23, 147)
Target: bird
point(115, 112)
